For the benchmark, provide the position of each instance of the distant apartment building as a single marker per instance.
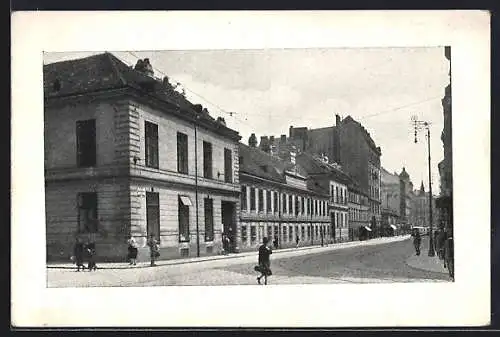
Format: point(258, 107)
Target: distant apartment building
point(390, 198)
point(349, 144)
point(421, 209)
point(276, 201)
point(359, 210)
point(406, 198)
point(330, 179)
point(127, 155)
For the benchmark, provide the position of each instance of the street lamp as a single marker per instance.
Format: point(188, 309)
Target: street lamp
point(419, 125)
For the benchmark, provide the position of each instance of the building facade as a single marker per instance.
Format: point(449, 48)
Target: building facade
point(329, 178)
point(445, 200)
point(421, 208)
point(277, 203)
point(126, 155)
point(359, 211)
point(406, 198)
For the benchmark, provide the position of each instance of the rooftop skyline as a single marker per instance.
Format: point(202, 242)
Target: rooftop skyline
point(267, 91)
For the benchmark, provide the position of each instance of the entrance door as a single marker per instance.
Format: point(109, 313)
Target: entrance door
point(229, 223)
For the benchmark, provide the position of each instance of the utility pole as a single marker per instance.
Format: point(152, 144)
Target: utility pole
point(419, 125)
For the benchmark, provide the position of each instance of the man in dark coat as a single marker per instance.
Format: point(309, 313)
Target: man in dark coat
point(264, 266)
point(78, 252)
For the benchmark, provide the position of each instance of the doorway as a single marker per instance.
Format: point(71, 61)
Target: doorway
point(229, 223)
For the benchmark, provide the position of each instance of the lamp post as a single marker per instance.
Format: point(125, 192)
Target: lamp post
point(418, 125)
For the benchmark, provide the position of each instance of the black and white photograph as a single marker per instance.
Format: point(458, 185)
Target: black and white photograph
point(189, 161)
point(249, 173)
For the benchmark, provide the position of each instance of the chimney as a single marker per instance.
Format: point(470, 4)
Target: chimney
point(290, 131)
point(264, 144)
point(337, 119)
point(252, 141)
point(283, 139)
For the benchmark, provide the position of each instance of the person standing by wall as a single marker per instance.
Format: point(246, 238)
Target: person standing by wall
point(78, 253)
point(417, 240)
point(154, 248)
point(264, 266)
point(91, 253)
point(132, 251)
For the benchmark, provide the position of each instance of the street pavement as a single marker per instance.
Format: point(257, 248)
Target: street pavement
point(373, 261)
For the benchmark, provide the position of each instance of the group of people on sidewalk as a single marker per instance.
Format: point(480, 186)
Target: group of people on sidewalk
point(84, 251)
point(442, 244)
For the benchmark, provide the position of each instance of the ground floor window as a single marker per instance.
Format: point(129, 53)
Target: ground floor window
point(269, 231)
point(253, 235)
point(153, 214)
point(308, 232)
point(317, 232)
point(290, 233)
point(184, 203)
point(302, 233)
point(209, 220)
point(284, 234)
point(87, 212)
point(244, 234)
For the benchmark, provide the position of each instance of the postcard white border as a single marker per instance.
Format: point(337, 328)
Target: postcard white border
point(465, 302)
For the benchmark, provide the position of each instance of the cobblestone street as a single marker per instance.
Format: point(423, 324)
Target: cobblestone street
point(374, 261)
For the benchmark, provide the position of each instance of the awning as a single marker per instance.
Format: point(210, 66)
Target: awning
point(368, 228)
point(186, 201)
point(394, 227)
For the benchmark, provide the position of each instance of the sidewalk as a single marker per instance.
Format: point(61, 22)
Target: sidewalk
point(310, 249)
point(425, 262)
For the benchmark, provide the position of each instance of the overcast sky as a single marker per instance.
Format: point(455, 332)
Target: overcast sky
point(269, 90)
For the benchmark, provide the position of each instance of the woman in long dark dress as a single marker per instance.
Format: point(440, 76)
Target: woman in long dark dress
point(132, 251)
point(91, 252)
point(264, 266)
point(78, 252)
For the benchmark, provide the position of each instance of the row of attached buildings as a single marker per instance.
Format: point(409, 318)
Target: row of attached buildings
point(127, 155)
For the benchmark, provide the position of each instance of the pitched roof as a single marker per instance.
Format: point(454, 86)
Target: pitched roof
point(314, 166)
point(256, 162)
point(103, 72)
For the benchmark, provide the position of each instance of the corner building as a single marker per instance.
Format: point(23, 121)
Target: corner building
point(126, 155)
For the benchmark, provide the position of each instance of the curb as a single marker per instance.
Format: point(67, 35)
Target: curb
point(224, 257)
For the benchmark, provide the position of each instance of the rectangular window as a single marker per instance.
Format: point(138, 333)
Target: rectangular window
point(207, 160)
point(151, 144)
point(261, 200)
point(290, 204)
point(153, 214)
point(275, 195)
point(317, 232)
point(87, 212)
point(337, 194)
point(302, 233)
point(297, 206)
point(182, 153)
point(252, 198)
point(209, 220)
point(228, 166)
point(283, 203)
point(308, 232)
point(315, 207)
point(184, 203)
point(86, 143)
point(244, 205)
point(284, 234)
point(269, 232)
point(244, 237)
point(290, 233)
point(303, 205)
point(268, 201)
point(253, 235)
point(276, 232)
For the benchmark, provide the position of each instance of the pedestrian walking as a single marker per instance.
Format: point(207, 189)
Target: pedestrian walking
point(132, 251)
point(78, 253)
point(275, 243)
point(264, 266)
point(417, 240)
point(227, 244)
point(154, 249)
point(91, 253)
point(297, 241)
